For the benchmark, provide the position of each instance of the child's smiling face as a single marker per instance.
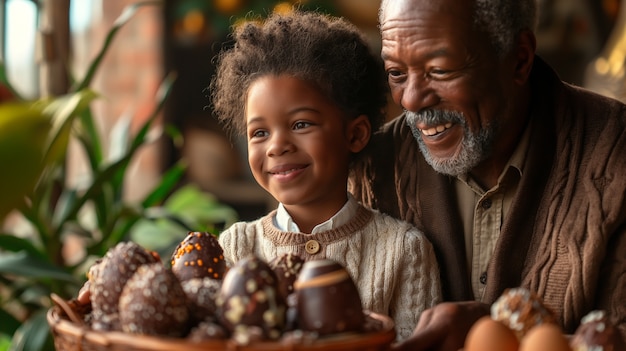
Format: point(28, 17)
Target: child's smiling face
point(299, 142)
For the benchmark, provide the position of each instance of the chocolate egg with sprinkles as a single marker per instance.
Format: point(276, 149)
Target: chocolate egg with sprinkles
point(109, 275)
point(199, 255)
point(153, 303)
point(520, 309)
point(201, 295)
point(287, 267)
point(249, 299)
point(328, 301)
point(597, 332)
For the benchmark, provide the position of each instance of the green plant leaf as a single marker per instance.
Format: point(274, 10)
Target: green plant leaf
point(169, 180)
point(140, 138)
point(120, 136)
point(4, 80)
point(87, 134)
point(26, 265)
point(9, 323)
point(66, 202)
point(34, 334)
point(62, 111)
point(14, 244)
point(169, 232)
point(96, 188)
point(5, 342)
point(201, 210)
point(23, 130)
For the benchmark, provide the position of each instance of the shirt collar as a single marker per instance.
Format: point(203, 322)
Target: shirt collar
point(284, 222)
point(518, 159)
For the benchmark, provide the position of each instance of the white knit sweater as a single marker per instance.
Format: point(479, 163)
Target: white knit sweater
point(391, 262)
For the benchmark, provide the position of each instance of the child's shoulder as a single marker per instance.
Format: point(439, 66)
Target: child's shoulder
point(394, 226)
point(239, 230)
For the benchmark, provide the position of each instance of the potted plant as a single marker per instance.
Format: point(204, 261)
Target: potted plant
point(33, 266)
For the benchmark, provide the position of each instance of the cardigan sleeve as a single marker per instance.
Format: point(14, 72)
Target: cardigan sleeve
point(612, 281)
point(238, 241)
point(418, 286)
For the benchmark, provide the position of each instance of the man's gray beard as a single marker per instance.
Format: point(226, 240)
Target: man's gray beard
point(474, 147)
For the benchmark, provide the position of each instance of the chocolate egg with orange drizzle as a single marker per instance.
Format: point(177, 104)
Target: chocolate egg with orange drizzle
point(199, 255)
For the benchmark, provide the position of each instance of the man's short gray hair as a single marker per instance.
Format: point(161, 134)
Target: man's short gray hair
point(502, 20)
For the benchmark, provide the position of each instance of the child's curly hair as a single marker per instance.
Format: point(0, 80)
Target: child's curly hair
point(327, 51)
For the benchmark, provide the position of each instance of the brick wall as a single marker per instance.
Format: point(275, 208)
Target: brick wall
point(127, 80)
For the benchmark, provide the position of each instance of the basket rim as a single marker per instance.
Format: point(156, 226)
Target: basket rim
point(59, 323)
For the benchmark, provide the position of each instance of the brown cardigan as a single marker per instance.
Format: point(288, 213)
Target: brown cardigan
point(565, 235)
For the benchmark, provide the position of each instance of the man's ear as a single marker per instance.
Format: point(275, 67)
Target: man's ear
point(358, 133)
point(524, 55)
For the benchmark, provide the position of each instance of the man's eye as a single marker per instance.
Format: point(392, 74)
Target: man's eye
point(438, 73)
point(394, 73)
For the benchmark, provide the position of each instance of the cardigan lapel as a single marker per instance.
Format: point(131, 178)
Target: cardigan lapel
point(506, 265)
point(443, 226)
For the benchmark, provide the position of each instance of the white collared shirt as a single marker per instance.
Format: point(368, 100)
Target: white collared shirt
point(284, 222)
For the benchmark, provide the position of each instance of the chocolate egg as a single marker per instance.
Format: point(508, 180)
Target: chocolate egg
point(199, 255)
point(287, 267)
point(521, 310)
point(201, 295)
point(110, 274)
point(104, 322)
point(597, 332)
point(153, 303)
point(328, 301)
point(249, 299)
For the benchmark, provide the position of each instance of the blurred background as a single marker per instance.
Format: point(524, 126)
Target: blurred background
point(184, 35)
point(136, 152)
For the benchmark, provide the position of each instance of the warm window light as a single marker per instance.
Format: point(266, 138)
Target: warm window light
point(19, 49)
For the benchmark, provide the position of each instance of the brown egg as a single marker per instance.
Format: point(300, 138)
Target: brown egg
point(249, 300)
point(199, 255)
point(328, 301)
point(545, 337)
point(201, 295)
point(153, 303)
point(490, 335)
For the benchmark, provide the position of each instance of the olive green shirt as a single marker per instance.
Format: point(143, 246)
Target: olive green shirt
point(483, 213)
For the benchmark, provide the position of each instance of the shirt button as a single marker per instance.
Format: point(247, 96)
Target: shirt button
point(486, 204)
point(483, 278)
point(312, 247)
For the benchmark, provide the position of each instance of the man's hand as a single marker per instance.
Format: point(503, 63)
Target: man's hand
point(444, 327)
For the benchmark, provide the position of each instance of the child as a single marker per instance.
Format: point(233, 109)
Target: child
point(307, 91)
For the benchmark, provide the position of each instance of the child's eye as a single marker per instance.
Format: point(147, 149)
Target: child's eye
point(259, 133)
point(301, 125)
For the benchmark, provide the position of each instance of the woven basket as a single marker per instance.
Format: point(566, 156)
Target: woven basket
point(71, 335)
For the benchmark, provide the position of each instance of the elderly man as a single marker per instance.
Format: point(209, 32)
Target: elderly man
point(516, 177)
